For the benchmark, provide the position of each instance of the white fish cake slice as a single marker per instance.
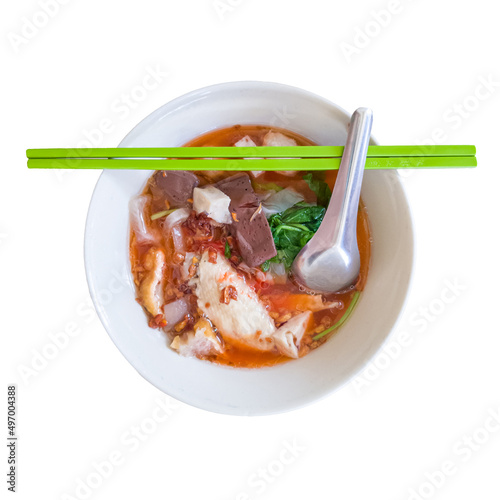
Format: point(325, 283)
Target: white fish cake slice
point(277, 139)
point(200, 342)
point(289, 336)
point(244, 319)
point(213, 202)
point(245, 142)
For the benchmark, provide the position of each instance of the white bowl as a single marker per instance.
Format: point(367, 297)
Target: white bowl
point(203, 384)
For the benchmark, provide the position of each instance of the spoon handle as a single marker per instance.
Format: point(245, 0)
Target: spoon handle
point(341, 216)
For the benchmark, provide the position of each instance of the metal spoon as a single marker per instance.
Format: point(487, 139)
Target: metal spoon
point(329, 262)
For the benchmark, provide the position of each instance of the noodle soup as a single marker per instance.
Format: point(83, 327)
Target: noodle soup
point(211, 252)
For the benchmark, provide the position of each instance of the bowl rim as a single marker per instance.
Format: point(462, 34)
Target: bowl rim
point(403, 297)
point(232, 85)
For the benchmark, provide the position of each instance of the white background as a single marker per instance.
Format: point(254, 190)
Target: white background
point(380, 437)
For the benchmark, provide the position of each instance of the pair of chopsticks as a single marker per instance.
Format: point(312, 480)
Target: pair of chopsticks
point(262, 158)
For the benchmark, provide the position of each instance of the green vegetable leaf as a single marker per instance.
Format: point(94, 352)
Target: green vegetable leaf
point(267, 186)
point(342, 320)
point(291, 230)
point(227, 251)
point(300, 215)
point(320, 188)
point(266, 266)
point(159, 215)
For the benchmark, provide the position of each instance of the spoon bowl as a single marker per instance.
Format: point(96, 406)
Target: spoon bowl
point(330, 261)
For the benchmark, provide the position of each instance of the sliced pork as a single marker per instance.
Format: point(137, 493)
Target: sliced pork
point(175, 186)
point(249, 226)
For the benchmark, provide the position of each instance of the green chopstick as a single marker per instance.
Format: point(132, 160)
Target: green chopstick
point(250, 152)
point(251, 164)
point(253, 158)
